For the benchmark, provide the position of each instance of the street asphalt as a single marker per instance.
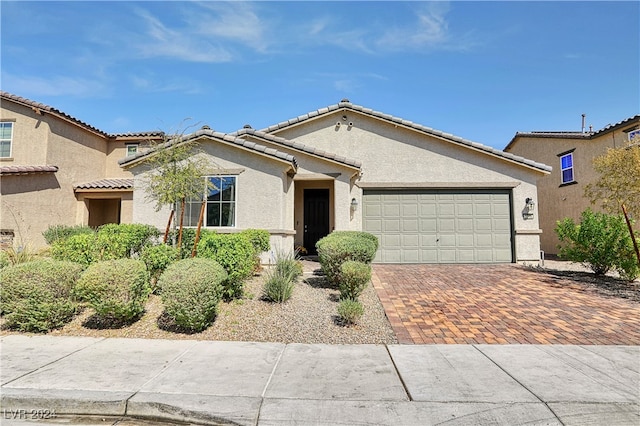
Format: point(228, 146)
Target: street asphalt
point(79, 380)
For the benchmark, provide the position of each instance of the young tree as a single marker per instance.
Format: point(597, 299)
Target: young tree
point(618, 186)
point(175, 175)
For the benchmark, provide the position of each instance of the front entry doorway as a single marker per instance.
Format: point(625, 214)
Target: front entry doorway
point(316, 217)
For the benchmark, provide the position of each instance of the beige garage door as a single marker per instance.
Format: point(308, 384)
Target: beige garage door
point(439, 226)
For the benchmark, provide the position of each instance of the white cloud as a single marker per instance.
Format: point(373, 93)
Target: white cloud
point(235, 21)
point(430, 30)
point(162, 41)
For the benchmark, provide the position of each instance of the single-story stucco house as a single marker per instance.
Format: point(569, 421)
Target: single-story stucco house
point(430, 196)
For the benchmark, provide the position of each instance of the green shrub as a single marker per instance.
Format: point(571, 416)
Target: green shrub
point(15, 256)
point(62, 232)
point(235, 253)
point(191, 290)
point(627, 266)
point(354, 277)
point(4, 259)
point(600, 241)
point(280, 281)
point(36, 296)
point(116, 289)
point(188, 240)
point(119, 241)
point(158, 258)
point(79, 248)
point(278, 287)
point(287, 264)
point(259, 239)
point(340, 246)
point(350, 311)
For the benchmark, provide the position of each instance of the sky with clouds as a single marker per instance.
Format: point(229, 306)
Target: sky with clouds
point(479, 70)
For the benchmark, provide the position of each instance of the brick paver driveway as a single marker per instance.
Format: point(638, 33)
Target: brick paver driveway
point(499, 304)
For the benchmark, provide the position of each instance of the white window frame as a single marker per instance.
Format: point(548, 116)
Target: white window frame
point(10, 140)
point(195, 204)
point(563, 169)
point(131, 145)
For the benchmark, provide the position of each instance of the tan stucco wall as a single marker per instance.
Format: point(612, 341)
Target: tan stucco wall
point(263, 189)
point(554, 200)
point(31, 203)
point(397, 156)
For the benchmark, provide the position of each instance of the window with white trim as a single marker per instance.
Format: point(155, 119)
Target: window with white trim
point(566, 168)
point(6, 139)
point(132, 149)
point(220, 207)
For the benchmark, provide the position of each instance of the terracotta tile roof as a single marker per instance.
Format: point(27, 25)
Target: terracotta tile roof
point(27, 170)
point(38, 106)
point(107, 184)
point(299, 147)
point(46, 108)
point(225, 137)
point(346, 105)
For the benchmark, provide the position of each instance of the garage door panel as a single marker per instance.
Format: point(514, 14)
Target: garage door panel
point(439, 226)
point(373, 210)
point(391, 225)
point(429, 225)
point(410, 225)
point(410, 240)
point(373, 225)
point(447, 225)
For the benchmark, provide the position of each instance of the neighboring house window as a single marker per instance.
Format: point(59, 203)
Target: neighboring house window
point(220, 209)
point(633, 134)
point(6, 137)
point(566, 168)
point(132, 149)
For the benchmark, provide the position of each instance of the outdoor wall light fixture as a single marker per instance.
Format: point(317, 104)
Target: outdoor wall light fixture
point(354, 204)
point(527, 212)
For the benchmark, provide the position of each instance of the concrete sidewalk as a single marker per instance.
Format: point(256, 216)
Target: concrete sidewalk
point(211, 382)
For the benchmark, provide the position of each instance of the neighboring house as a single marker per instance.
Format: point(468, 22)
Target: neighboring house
point(429, 196)
point(561, 193)
point(55, 169)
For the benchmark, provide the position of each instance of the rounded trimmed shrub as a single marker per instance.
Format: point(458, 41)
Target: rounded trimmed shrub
point(350, 311)
point(116, 289)
point(354, 277)
point(340, 246)
point(158, 258)
point(235, 253)
point(191, 290)
point(37, 296)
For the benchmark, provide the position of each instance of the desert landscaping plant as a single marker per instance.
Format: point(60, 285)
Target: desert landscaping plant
point(341, 246)
point(354, 277)
point(62, 232)
point(116, 289)
point(191, 290)
point(350, 311)
point(37, 296)
point(281, 279)
point(158, 258)
point(236, 255)
point(600, 241)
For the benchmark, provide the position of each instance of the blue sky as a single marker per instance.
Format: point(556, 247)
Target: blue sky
point(479, 70)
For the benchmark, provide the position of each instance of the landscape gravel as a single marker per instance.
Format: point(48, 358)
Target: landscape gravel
point(310, 316)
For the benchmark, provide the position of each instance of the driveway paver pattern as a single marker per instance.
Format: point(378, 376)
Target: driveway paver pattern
point(499, 304)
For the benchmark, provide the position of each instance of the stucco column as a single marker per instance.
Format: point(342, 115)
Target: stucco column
point(342, 203)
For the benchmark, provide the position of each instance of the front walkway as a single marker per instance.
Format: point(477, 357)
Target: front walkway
point(499, 304)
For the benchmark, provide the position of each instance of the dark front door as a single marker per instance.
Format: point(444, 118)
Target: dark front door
point(316, 217)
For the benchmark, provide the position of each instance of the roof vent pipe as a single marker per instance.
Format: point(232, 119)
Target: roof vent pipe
point(584, 116)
